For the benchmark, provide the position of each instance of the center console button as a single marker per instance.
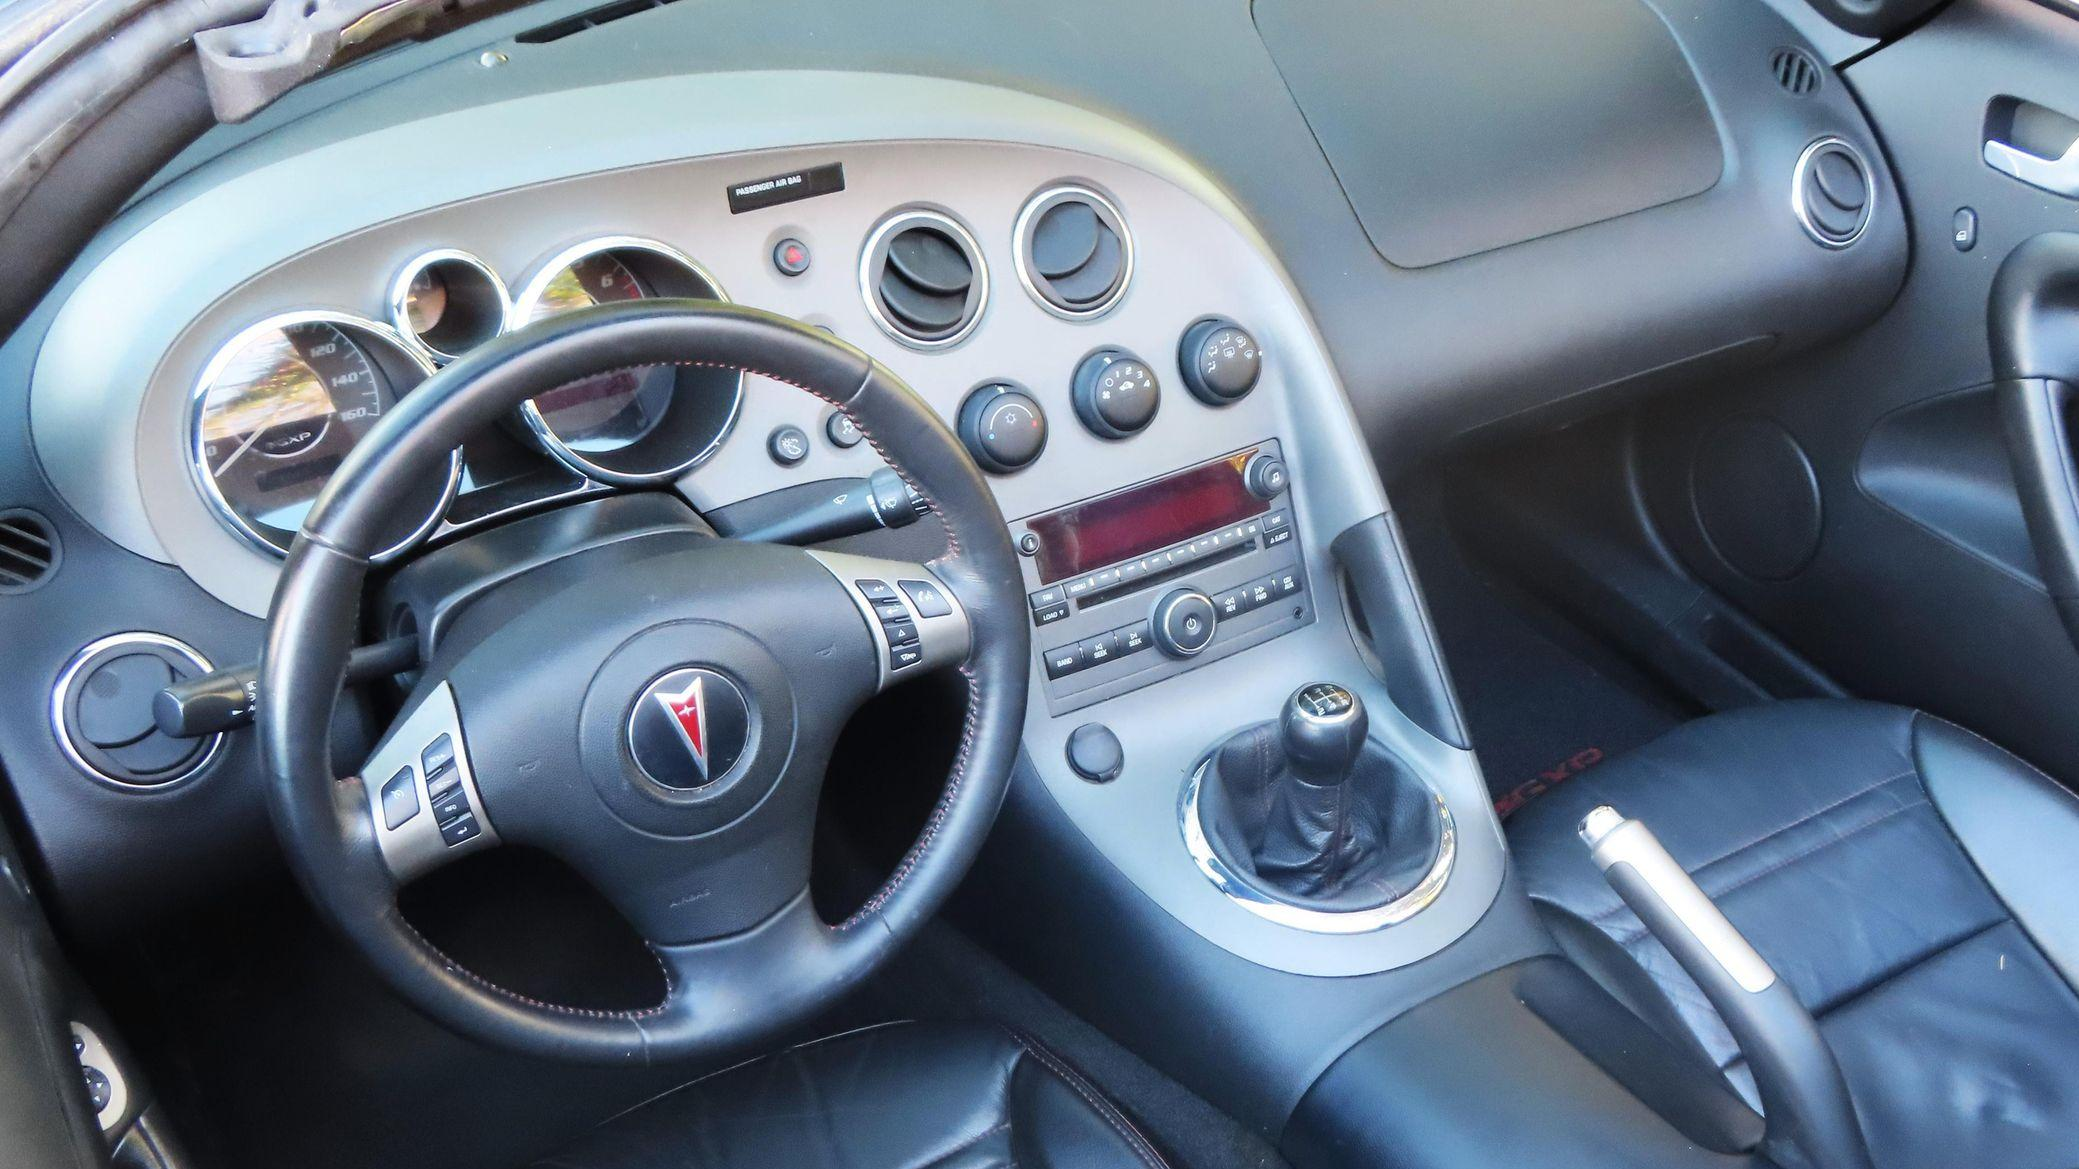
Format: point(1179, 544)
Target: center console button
point(1230, 603)
point(1098, 650)
point(1133, 638)
point(1050, 614)
point(1062, 661)
point(1220, 361)
point(1003, 427)
point(1183, 622)
point(1115, 393)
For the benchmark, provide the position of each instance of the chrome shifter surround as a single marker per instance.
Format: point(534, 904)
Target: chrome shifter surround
point(1319, 921)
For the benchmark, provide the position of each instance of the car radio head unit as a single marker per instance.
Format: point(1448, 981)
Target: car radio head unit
point(1193, 565)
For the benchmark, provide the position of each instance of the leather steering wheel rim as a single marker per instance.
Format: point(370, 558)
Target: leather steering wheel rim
point(722, 993)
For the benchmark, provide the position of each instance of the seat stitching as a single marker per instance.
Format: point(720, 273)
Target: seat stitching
point(1782, 863)
point(1098, 1104)
point(1620, 907)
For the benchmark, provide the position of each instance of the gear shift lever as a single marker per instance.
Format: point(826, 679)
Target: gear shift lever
point(1324, 727)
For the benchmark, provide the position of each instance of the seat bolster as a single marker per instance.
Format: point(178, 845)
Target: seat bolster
point(2017, 825)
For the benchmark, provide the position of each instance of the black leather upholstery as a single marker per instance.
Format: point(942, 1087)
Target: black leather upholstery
point(1911, 882)
point(903, 1096)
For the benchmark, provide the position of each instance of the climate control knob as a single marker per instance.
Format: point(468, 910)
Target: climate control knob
point(1115, 393)
point(1220, 361)
point(1183, 622)
point(1003, 427)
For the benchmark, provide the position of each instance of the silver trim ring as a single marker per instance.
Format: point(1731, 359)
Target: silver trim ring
point(1319, 921)
point(876, 244)
point(198, 468)
point(400, 295)
point(1803, 213)
point(70, 674)
point(520, 315)
point(1021, 247)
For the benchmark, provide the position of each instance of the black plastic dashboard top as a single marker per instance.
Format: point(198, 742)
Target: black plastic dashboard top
point(1427, 353)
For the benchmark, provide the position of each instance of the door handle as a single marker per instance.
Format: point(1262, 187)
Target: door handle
point(2059, 176)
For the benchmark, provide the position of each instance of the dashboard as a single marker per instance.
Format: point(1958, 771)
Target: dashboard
point(1151, 312)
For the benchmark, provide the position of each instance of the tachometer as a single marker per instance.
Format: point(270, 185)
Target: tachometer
point(280, 406)
point(635, 426)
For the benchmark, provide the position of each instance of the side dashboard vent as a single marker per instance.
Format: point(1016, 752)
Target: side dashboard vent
point(29, 551)
point(1796, 72)
point(1832, 193)
point(924, 279)
point(593, 18)
point(1074, 253)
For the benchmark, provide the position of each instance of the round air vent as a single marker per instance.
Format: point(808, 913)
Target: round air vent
point(1074, 253)
point(1832, 194)
point(29, 551)
point(923, 279)
point(1795, 70)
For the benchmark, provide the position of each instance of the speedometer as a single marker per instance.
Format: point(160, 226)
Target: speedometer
point(628, 427)
point(280, 407)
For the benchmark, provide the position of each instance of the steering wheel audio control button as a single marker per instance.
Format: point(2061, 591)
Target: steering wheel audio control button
point(1183, 623)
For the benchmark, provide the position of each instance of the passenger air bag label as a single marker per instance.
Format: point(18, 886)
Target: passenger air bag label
point(801, 184)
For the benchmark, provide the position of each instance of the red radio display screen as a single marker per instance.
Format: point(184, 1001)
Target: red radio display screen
point(1139, 520)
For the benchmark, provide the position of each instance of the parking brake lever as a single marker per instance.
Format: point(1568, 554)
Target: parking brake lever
point(1809, 1120)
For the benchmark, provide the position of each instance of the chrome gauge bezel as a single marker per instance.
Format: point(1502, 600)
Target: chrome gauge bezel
point(365, 331)
point(519, 315)
point(400, 298)
point(1021, 247)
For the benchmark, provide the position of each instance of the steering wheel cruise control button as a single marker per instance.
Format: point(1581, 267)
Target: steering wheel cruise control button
point(400, 799)
point(1183, 622)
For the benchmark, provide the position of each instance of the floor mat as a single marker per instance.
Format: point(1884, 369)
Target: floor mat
point(1543, 703)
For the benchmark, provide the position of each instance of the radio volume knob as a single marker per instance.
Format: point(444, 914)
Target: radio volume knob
point(1183, 622)
point(1003, 427)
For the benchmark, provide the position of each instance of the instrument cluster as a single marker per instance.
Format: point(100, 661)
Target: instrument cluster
point(282, 403)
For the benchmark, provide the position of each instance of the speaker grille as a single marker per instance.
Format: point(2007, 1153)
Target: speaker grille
point(28, 550)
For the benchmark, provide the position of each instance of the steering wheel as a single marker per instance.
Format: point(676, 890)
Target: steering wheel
point(659, 713)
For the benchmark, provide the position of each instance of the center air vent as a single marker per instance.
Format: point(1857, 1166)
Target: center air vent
point(923, 279)
point(1832, 194)
point(28, 550)
point(1074, 253)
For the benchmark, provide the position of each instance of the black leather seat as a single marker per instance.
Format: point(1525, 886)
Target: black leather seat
point(1916, 886)
point(903, 1096)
